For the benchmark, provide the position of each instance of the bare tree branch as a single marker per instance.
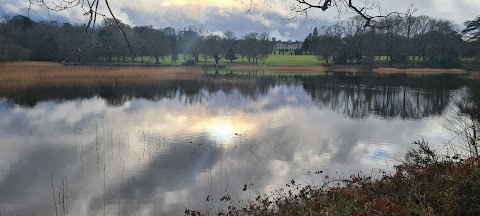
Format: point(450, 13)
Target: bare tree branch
point(120, 27)
point(299, 7)
point(90, 8)
point(303, 7)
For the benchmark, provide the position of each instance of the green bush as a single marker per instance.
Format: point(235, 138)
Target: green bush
point(298, 52)
point(190, 62)
point(442, 63)
point(230, 55)
point(399, 58)
point(340, 58)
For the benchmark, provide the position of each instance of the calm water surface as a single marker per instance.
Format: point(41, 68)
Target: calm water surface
point(157, 149)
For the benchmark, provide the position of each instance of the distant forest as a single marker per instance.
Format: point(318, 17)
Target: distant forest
point(429, 41)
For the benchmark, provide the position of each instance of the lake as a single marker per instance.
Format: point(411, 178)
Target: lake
point(157, 149)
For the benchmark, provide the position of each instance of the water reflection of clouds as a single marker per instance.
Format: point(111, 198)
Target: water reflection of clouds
point(284, 135)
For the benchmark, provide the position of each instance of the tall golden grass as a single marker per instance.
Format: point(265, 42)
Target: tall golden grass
point(25, 75)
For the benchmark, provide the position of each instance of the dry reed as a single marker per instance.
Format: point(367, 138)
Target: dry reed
point(27, 75)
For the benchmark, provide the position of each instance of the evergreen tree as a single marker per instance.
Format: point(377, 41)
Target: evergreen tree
point(230, 55)
point(307, 43)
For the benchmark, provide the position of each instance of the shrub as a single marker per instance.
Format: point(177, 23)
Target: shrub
point(298, 52)
point(340, 58)
point(370, 59)
point(471, 199)
point(399, 58)
point(442, 63)
point(230, 55)
point(190, 62)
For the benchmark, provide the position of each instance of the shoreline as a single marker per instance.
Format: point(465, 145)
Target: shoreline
point(182, 72)
point(350, 69)
point(380, 68)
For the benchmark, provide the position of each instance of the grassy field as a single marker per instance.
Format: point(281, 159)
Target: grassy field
point(272, 60)
point(291, 60)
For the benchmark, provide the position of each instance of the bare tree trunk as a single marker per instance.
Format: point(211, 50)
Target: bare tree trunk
point(217, 59)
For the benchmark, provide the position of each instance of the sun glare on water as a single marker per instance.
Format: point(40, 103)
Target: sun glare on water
point(223, 131)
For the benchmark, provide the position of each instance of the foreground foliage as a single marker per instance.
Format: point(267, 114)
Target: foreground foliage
point(425, 184)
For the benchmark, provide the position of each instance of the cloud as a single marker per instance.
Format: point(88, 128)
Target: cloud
point(260, 19)
point(11, 9)
point(222, 15)
point(279, 36)
point(293, 25)
point(285, 131)
point(218, 33)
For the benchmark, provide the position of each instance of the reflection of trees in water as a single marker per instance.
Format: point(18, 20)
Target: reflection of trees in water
point(358, 102)
point(355, 95)
point(470, 103)
point(249, 86)
point(387, 96)
point(189, 91)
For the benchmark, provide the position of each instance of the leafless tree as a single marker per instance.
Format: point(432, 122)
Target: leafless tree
point(328, 42)
point(255, 46)
point(90, 8)
point(190, 40)
point(214, 46)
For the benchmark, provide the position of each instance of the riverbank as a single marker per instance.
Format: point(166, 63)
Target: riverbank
point(31, 74)
point(347, 68)
point(25, 75)
point(294, 68)
point(419, 186)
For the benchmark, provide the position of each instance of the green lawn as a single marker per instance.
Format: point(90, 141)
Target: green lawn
point(292, 60)
point(272, 60)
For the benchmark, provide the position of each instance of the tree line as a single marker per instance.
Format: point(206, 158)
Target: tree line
point(23, 39)
point(433, 42)
point(395, 39)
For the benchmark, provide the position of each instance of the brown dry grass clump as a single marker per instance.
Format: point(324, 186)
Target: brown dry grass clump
point(26, 75)
point(474, 75)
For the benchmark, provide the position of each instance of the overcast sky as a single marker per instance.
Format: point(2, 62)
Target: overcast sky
point(221, 15)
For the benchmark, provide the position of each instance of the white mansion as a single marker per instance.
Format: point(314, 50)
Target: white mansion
point(289, 45)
